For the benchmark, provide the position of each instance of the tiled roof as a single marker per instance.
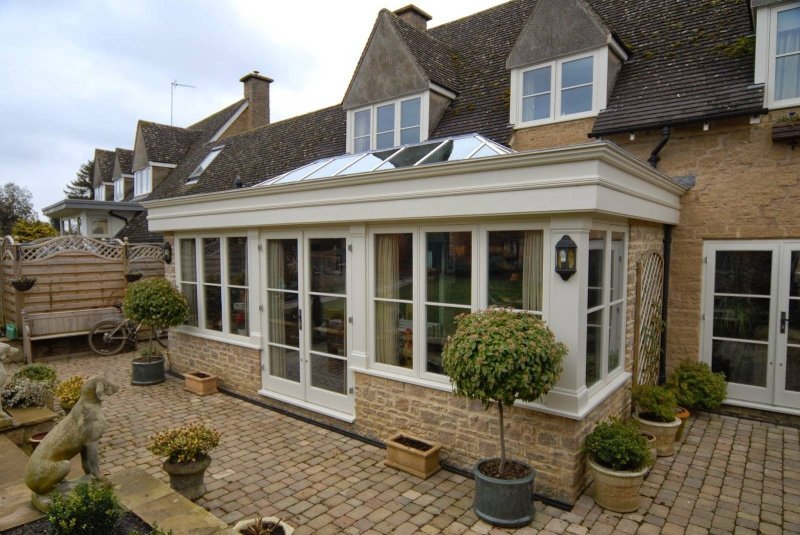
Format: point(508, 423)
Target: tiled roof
point(165, 143)
point(137, 231)
point(125, 158)
point(104, 162)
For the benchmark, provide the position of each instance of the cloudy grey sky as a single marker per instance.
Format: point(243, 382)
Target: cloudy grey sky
point(77, 74)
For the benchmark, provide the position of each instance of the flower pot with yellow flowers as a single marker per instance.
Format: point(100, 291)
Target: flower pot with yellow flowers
point(186, 449)
point(69, 392)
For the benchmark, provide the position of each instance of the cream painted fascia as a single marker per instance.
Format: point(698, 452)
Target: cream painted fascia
point(163, 164)
point(229, 122)
point(594, 177)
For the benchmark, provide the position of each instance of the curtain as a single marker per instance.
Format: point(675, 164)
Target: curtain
point(387, 281)
point(277, 314)
point(532, 270)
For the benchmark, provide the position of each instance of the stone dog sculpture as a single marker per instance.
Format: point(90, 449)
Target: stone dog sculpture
point(5, 351)
point(78, 432)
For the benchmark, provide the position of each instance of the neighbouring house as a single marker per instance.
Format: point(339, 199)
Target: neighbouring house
point(325, 256)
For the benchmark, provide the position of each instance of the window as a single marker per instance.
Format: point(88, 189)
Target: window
point(213, 277)
point(71, 226)
point(100, 193)
point(605, 313)
point(99, 227)
point(787, 54)
point(563, 89)
point(388, 124)
point(200, 169)
point(143, 181)
point(119, 189)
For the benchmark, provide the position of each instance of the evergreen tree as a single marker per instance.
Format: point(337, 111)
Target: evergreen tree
point(83, 185)
point(16, 203)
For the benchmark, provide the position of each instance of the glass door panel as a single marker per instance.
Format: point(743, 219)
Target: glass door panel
point(787, 373)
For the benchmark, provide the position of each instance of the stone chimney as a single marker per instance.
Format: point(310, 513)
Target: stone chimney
point(414, 16)
point(256, 91)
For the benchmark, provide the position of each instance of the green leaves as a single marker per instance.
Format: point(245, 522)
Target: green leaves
point(155, 303)
point(618, 445)
point(695, 385)
point(656, 401)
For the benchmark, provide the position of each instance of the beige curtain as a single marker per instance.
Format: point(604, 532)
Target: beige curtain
point(277, 329)
point(387, 281)
point(532, 265)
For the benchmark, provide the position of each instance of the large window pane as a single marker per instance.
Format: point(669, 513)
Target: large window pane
point(394, 333)
point(211, 261)
point(237, 261)
point(536, 81)
point(743, 272)
point(793, 369)
point(594, 346)
point(284, 325)
point(237, 301)
point(741, 362)
point(787, 77)
point(328, 265)
point(384, 129)
point(188, 260)
point(328, 332)
point(515, 269)
point(597, 244)
point(284, 363)
point(440, 323)
point(410, 113)
point(742, 317)
point(190, 292)
point(282, 264)
point(615, 337)
point(536, 107)
point(536, 94)
point(409, 136)
point(394, 265)
point(213, 301)
point(577, 72)
point(329, 374)
point(449, 267)
point(362, 123)
point(617, 266)
point(576, 100)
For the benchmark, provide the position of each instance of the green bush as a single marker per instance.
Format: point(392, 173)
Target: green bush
point(89, 509)
point(500, 355)
point(22, 392)
point(185, 443)
point(655, 403)
point(28, 231)
point(696, 386)
point(618, 445)
point(37, 372)
point(155, 303)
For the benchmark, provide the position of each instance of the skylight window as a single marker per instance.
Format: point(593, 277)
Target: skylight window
point(444, 150)
point(210, 157)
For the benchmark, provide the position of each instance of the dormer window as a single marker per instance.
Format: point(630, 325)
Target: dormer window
point(564, 89)
point(100, 193)
point(119, 189)
point(787, 55)
point(200, 169)
point(387, 124)
point(143, 181)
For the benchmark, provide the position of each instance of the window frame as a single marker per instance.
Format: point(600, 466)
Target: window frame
point(372, 109)
point(224, 285)
point(772, 48)
point(143, 181)
point(205, 163)
point(599, 88)
point(100, 193)
point(119, 188)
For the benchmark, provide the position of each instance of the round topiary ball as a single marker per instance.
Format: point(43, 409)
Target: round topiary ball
point(155, 303)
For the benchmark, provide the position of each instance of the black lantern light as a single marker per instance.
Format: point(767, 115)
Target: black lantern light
point(566, 250)
point(166, 251)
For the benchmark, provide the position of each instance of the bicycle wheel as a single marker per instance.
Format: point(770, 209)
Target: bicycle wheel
point(108, 337)
point(162, 337)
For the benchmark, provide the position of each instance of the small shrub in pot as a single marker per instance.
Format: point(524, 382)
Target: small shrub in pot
point(186, 449)
point(156, 304)
point(37, 372)
point(656, 414)
point(697, 387)
point(68, 392)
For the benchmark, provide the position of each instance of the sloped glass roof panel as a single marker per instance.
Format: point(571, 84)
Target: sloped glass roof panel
point(301, 172)
point(210, 157)
point(336, 166)
point(483, 152)
point(410, 156)
point(369, 162)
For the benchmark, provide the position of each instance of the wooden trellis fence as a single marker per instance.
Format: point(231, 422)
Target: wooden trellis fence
point(648, 324)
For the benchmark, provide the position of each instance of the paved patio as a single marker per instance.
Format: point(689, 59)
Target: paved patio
point(730, 475)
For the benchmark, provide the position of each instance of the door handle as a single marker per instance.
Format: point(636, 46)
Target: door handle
point(784, 321)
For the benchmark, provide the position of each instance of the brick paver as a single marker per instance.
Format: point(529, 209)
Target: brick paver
point(729, 474)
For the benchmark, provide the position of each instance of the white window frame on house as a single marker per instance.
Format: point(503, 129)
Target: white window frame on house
point(225, 286)
point(102, 220)
point(119, 188)
point(372, 110)
point(766, 45)
point(207, 161)
point(100, 193)
point(143, 181)
point(599, 88)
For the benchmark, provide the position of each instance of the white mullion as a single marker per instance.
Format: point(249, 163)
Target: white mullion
point(606, 303)
point(201, 291)
point(223, 279)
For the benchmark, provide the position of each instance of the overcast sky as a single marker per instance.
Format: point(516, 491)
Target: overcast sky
point(78, 74)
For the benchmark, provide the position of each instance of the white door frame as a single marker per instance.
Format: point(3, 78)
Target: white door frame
point(784, 397)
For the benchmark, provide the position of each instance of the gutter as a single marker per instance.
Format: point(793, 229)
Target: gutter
point(681, 122)
point(654, 157)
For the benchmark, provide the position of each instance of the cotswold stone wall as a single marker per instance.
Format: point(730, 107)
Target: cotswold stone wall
point(551, 444)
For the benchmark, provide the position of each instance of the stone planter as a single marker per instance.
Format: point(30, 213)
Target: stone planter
point(506, 503)
point(683, 414)
point(664, 433)
point(408, 453)
point(616, 490)
point(242, 525)
point(187, 478)
point(147, 370)
point(200, 383)
point(651, 445)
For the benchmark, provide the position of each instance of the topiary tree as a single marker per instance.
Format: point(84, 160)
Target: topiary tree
point(500, 355)
point(155, 303)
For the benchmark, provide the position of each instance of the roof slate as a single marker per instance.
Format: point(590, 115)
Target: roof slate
point(104, 162)
point(165, 143)
point(125, 158)
point(137, 230)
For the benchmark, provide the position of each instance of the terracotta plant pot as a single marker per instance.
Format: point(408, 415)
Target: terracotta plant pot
point(407, 453)
point(616, 490)
point(664, 433)
point(683, 414)
point(36, 439)
point(242, 525)
point(200, 383)
point(187, 478)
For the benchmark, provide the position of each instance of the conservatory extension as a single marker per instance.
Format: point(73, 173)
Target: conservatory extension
point(331, 289)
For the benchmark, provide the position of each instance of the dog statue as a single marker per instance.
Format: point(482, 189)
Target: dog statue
point(78, 432)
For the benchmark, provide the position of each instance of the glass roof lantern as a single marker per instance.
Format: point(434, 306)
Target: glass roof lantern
point(451, 149)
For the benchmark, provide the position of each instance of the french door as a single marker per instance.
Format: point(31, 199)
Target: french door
point(752, 320)
point(307, 317)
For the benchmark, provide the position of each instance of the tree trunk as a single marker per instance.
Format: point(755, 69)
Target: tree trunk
point(502, 439)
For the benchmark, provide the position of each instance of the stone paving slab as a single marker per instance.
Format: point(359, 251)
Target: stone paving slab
point(729, 475)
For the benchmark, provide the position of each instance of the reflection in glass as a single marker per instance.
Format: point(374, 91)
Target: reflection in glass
point(368, 162)
point(787, 65)
point(361, 131)
point(394, 265)
point(742, 317)
point(334, 166)
point(190, 292)
point(282, 264)
point(597, 244)
point(284, 327)
point(211, 261)
point(743, 272)
point(793, 369)
point(384, 129)
point(213, 295)
point(409, 156)
point(394, 333)
point(794, 275)
point(617, 265)
point(189, 260)
point(302, 172)
point(449, 267)
point(284, 363)
point(329, 374)
point(237, 261)
point(615, 338)
point(741, 362)
point(440, 323)
point(577, 72)
point(515, 269)
point(328, 265)
point(794, 321)
point(536, 94)
point(410, 121)
point(594, 346)
point(328, 324)
point(237, 301)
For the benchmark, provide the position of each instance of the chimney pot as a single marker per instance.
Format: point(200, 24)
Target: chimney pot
point(256, 91)
point(414, 16)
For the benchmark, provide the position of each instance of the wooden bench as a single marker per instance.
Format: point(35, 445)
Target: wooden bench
point(48, 325)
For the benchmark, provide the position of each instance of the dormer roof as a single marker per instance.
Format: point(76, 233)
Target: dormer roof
point(123, 162)
point(165, 143)
point(103, 166)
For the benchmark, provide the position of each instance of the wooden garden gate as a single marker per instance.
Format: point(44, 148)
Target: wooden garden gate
point(648, 323)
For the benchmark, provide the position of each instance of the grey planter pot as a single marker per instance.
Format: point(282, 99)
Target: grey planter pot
point(506, 503)
point(187, 478)
point(147, 372)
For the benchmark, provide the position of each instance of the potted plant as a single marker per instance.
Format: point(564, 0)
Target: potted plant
point(200, 383)
point(787, 128)
point(498, 356)
point(132, 276)
point(696, 386)
point(656, 414)
point(156, 304)
point(186, 450)
point(23, 284)
point(413, 455)
point(69, 392)
point(619, 458)
point(263, 526)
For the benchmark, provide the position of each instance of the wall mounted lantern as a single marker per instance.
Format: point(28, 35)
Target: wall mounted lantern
point(566, 250)
point(166, 250)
